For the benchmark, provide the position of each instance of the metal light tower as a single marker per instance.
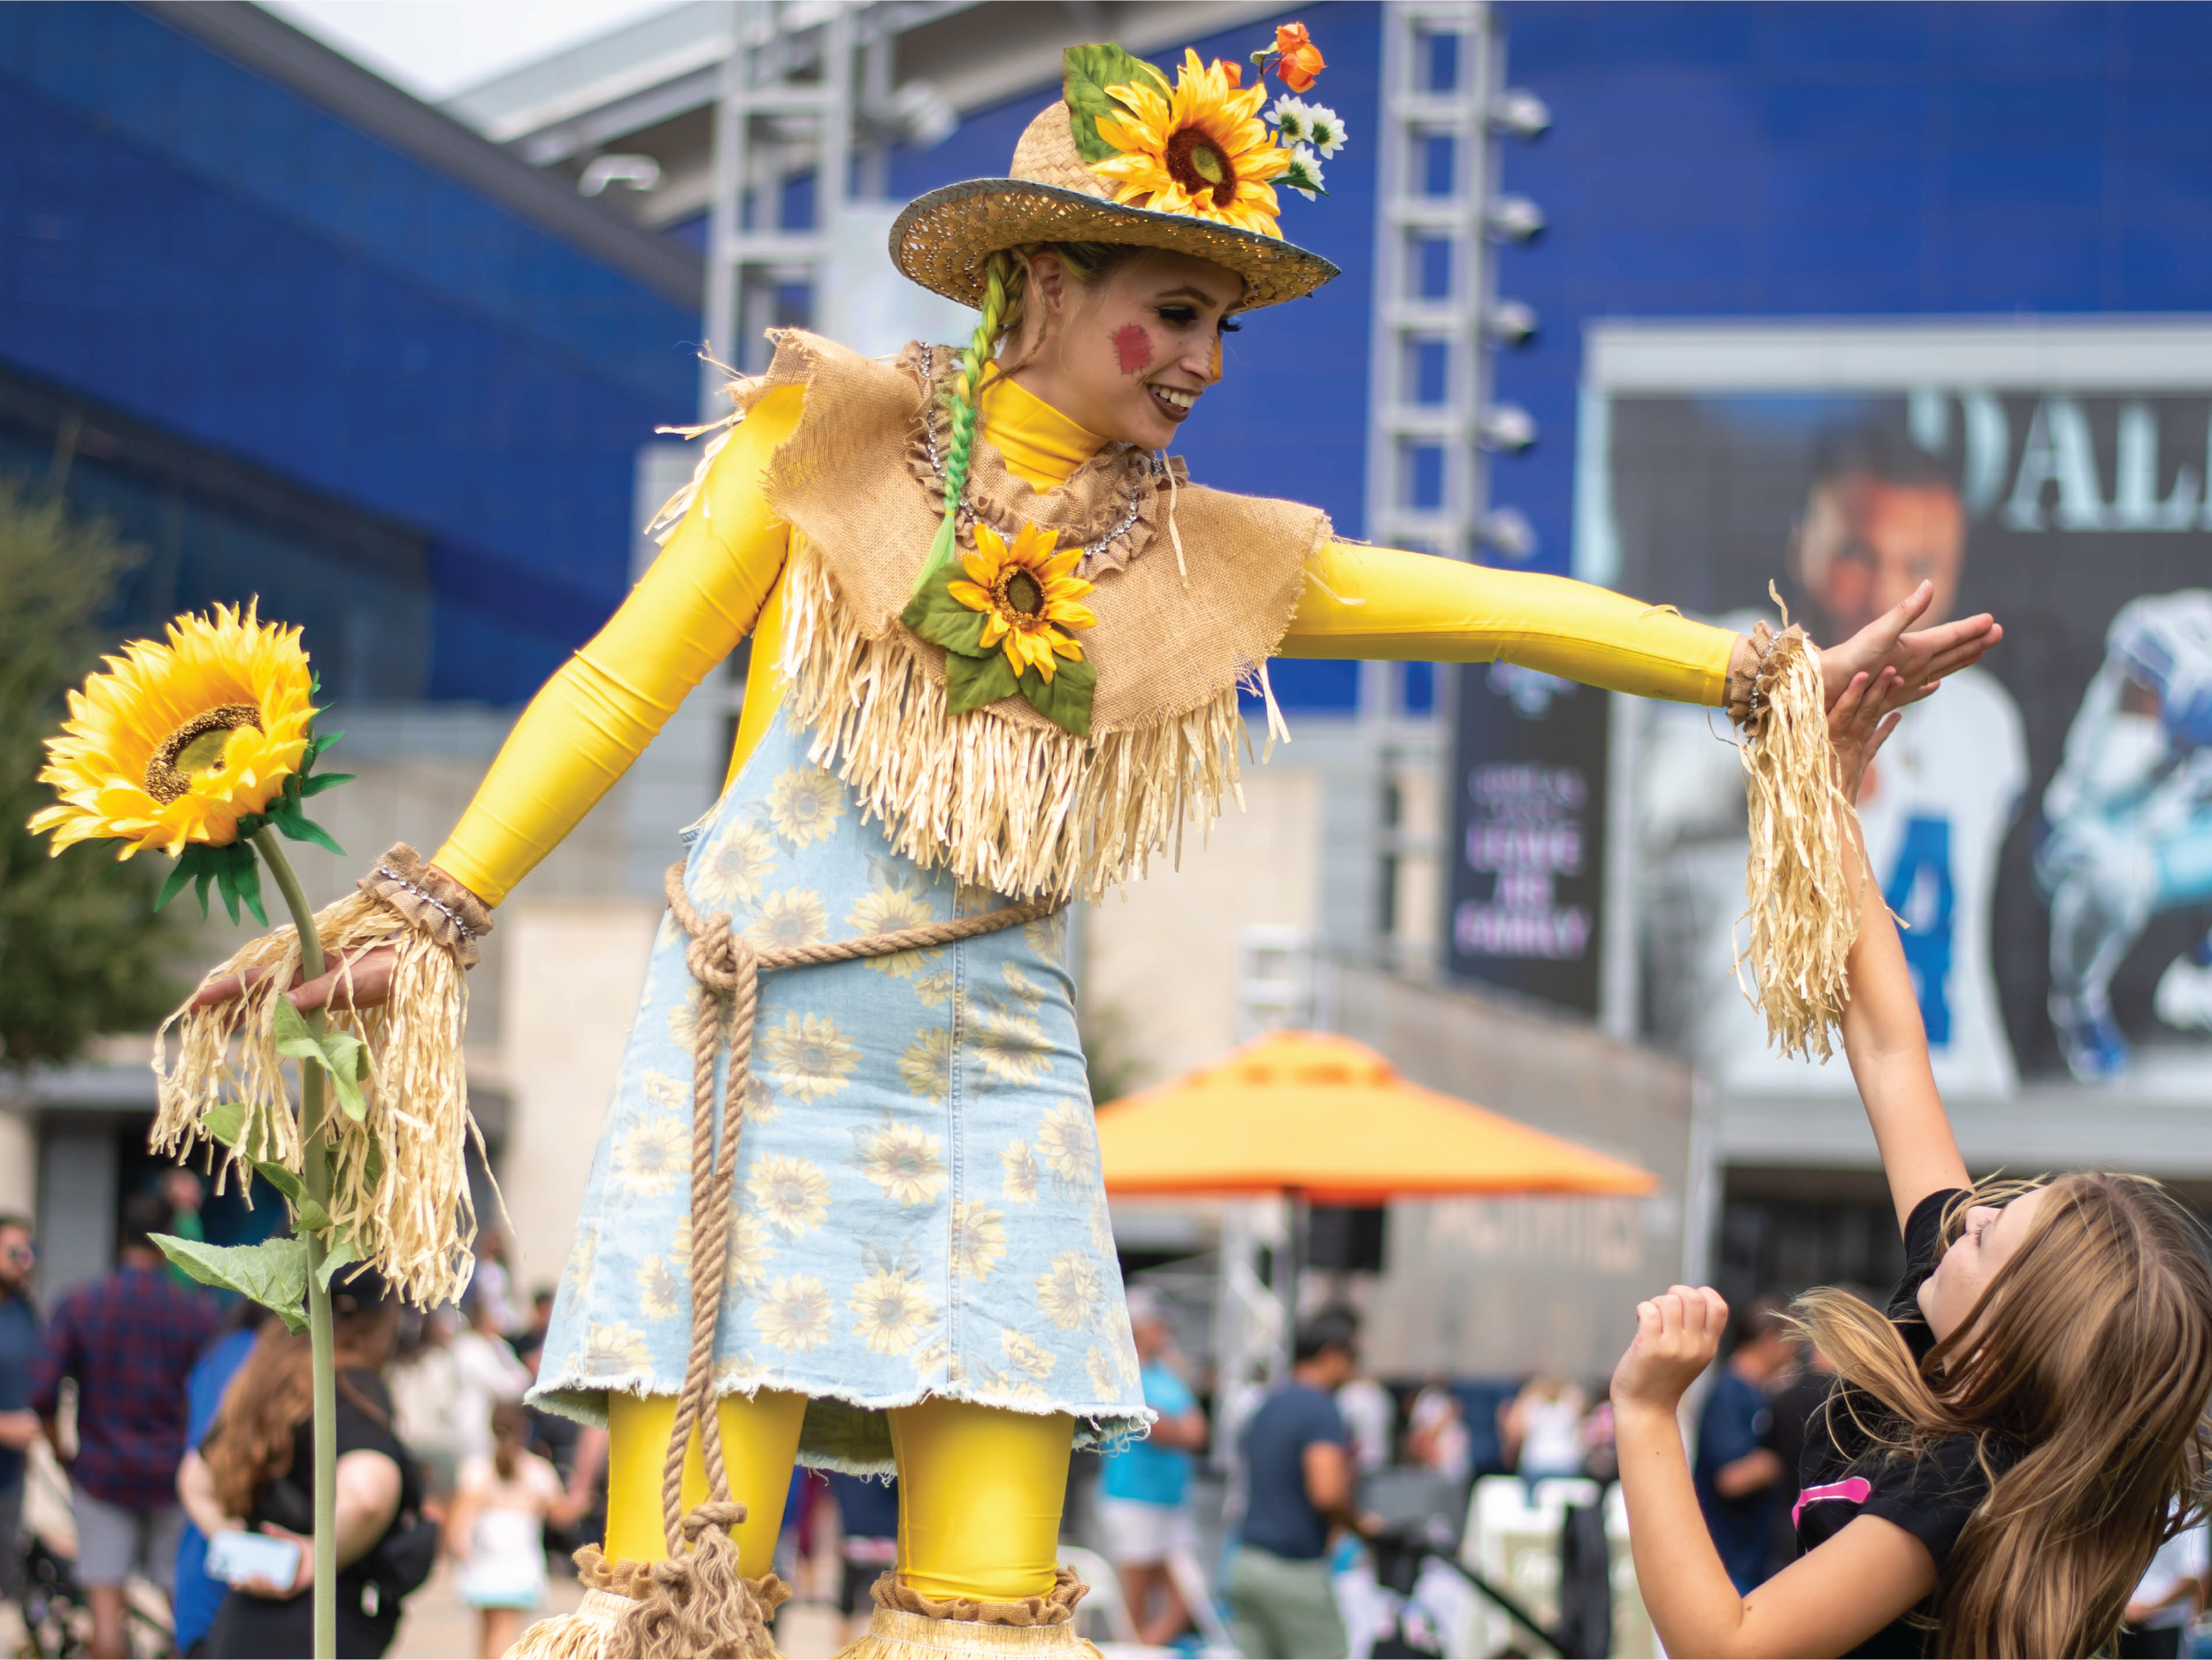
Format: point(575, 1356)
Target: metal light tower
point(1439, 217)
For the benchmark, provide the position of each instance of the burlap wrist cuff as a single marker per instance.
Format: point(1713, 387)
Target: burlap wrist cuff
point(1750, 692)
point(432, 902)
point(1056, 1607)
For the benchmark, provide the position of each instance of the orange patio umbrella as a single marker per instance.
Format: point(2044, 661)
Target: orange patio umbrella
point(1331, 1121)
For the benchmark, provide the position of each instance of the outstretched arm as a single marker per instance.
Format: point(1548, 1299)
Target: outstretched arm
point(1384, 605)
point(597, 713)
point(1826, 1602)
point(1882, 1032)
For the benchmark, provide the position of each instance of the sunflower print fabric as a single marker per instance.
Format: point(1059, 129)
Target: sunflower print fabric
point(919, 1209)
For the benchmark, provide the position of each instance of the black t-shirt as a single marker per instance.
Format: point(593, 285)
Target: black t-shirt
point(249, 1626)
point(1845, 1476)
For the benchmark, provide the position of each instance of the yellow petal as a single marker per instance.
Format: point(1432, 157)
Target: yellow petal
point(968, 595)
point(979, 566)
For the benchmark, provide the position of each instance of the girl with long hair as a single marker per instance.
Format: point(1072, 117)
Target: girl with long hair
point(2008, 1441)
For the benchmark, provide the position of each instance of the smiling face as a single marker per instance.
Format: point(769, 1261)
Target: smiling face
point(1986, 1244)
point(1128, 355)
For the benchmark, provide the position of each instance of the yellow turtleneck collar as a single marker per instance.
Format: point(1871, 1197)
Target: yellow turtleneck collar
point(1043, 447)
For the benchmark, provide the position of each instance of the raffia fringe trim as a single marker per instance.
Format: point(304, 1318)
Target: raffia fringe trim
point(909, 1625)
point(1802, 891)
point(416, 1222)
point(1023, 809)
point(581, 1635)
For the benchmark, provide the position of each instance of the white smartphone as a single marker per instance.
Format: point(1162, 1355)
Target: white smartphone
point(234, 1557)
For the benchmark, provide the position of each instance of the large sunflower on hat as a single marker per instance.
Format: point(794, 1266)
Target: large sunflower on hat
point(1201, 150)
point(1124, 157)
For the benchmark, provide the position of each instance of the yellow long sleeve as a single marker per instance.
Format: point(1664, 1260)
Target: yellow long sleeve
point(594, 717)
point(1382, 603)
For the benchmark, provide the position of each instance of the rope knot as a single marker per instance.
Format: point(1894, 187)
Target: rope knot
point(720, 958)
point(722, 1513)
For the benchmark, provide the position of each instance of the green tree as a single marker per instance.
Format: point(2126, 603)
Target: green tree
point(81, 946)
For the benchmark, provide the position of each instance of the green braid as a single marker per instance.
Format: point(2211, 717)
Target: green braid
point(965, 392)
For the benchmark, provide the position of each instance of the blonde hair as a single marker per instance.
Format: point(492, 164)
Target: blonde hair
point(2092, 1351)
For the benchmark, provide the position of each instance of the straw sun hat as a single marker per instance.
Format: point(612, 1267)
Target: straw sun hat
point(1055, 195)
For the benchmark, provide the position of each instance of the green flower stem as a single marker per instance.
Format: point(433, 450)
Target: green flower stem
point(318, 1321)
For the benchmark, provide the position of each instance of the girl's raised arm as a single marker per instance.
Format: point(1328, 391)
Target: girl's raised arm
point(1882, 1032)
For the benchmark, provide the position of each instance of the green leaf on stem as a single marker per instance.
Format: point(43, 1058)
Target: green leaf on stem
point(322, 781)
point(312, 1217)
point(343, 1057)
point(342, 1254)
point(273, 1273)
point(223, 1122)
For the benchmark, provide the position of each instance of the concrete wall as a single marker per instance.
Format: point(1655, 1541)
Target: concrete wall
point(571, 974)
point(1159, 983)
point(1485, 1287)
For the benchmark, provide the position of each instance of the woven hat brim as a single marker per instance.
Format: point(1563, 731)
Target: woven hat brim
point(943, 238)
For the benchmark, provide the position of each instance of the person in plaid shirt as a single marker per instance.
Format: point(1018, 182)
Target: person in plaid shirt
point(129, 1340)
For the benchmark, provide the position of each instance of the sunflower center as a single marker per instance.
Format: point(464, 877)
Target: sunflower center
point(196, 746)
point(1022, 594)
point(1200, 166)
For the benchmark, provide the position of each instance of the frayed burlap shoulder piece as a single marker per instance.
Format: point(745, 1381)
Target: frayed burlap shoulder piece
point(400, 1188)
point(1054, 1608)
point(1002, 797)
point(1803, 884)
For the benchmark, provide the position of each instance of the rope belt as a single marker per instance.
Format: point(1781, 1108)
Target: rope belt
point(728, 968)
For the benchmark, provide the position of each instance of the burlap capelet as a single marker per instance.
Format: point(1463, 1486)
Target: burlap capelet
point(1001, 796)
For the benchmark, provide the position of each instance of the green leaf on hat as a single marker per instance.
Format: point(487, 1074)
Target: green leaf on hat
point(1087, 72)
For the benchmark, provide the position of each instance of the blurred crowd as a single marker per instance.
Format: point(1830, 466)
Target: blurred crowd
point(181, 1418)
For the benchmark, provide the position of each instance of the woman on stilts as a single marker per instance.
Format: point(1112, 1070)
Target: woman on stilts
point(847, 1207)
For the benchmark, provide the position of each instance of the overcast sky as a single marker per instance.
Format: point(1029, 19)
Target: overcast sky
point(435, 48)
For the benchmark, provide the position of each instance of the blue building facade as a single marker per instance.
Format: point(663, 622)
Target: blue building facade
point(286, 356)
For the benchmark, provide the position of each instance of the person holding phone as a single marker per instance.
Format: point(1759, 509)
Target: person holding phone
point(251, 1488)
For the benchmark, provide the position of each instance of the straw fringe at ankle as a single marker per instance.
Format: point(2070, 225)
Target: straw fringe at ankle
point(645, 1610)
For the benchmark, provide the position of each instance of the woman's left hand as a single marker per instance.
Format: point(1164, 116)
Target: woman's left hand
point(303, 1576)
point(1676, 1336)
point(1921, 659)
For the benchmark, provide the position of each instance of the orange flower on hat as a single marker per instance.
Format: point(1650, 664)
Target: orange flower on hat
point(1301, 59)
point(1201, 151)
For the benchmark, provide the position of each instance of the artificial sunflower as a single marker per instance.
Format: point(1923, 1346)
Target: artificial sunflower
point(1028, 595)
point(1201, 150)
point(189, 746)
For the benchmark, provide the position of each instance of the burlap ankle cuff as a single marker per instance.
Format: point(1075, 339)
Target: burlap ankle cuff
point(432, 902)
point(658, 1617)
point(1056, 1607)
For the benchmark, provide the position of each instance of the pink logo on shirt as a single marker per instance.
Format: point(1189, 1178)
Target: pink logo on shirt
point(1851, 1492)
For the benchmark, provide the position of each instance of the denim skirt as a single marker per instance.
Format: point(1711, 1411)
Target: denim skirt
point(919, 1210)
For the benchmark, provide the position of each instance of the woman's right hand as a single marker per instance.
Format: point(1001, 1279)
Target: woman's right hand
point(359, 979)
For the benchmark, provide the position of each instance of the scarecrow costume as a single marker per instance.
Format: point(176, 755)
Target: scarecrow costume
point(847, 1206)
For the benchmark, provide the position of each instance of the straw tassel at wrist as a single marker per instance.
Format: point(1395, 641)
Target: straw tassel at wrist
point(400, 1195)
point(1799, 881)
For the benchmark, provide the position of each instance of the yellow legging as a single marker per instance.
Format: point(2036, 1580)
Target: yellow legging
point(980, 1489)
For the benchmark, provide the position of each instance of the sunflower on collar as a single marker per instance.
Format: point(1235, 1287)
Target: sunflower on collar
point(1003, 614)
